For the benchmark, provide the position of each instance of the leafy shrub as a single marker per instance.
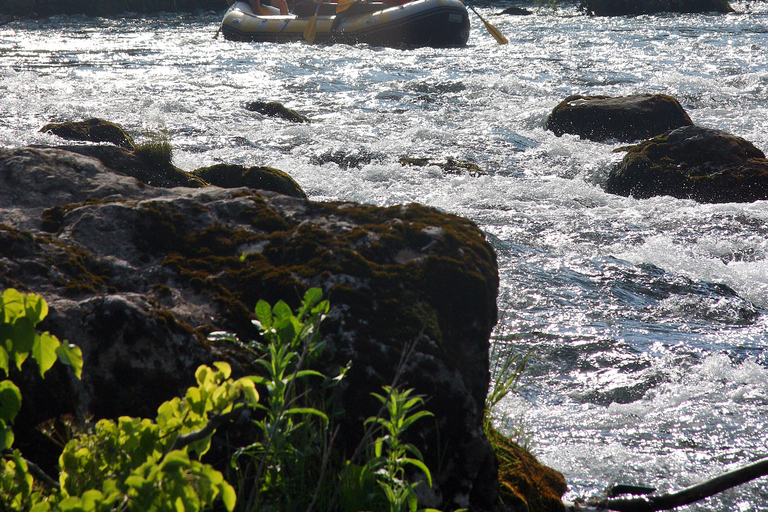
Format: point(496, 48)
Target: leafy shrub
point(135, 464)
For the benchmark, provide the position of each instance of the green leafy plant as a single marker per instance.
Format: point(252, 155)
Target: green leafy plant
point(285, 468)
point(19, 315)
point(391, 455)
point(153, 465)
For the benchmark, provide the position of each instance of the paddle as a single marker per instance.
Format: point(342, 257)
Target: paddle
point(311, 31)
point(343, 5)
point(496, 33)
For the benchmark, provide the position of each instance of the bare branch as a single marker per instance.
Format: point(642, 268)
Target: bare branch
point(686, 496)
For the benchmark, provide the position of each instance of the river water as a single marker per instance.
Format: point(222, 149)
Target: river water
point(646, 321)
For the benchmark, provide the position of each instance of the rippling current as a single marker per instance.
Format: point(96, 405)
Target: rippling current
point(646, 320)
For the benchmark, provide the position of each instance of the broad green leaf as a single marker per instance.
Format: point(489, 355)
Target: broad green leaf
point(174, 460)
point(35, 308)
point(228, 496)
point(6, 436)
point(13, 304)
point(281, 311)
point(10, 401)
point(44, 351)
point(23, 335)
point(223, 368)
point(71, 355)
point(263, 313)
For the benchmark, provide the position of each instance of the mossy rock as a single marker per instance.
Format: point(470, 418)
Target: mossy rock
point(625, 118)
point(634, 7)
point(260, 178)
point(449, 166)
point(525, 483)
point(710, 166)
point(91, 130)
point(275, 109)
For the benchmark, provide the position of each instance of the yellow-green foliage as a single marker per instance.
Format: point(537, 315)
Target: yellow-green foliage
point(138, 464)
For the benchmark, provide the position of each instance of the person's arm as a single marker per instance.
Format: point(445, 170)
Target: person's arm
point(256, 6)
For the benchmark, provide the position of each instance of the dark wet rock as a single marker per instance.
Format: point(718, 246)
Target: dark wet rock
point(138, 276)
point(450, 166)
point(274, 109)
point(709, 166)
point(91, 130)
point(346, 159)
point(260, 178)
point(634, 7)
point(516, 11)
point(626, 118)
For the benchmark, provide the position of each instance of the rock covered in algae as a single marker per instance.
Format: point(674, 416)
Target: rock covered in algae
point(92, 130)
point(709, 166)
point(261, 178)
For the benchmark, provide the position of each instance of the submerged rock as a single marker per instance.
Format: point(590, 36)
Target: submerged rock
point(274, 109)
point(450, 166)
point(633, 7)
point(260, 178)
point(709, 166)
point(138, 276)
point(625, 118)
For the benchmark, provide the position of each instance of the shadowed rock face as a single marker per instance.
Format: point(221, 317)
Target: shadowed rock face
point(697, 163)
point(625, 118)
point(138, 275)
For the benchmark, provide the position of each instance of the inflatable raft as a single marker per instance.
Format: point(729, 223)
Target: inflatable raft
point(437, 23)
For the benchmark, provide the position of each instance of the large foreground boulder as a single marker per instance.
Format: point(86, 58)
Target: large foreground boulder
point(625, 118)
point(139, 275)
point(706, 165)
point(634, 7)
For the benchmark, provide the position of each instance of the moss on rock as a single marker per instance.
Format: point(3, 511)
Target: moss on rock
point(525, 483)
point(261, 178)
point(91, 130)
point(692, 163)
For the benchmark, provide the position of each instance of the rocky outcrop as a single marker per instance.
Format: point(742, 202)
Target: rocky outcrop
point(697, 163)
point(634, 7)
point(139, 275)
point(625, 118)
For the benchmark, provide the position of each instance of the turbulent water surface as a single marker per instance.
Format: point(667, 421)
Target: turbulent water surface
point(646, 320)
